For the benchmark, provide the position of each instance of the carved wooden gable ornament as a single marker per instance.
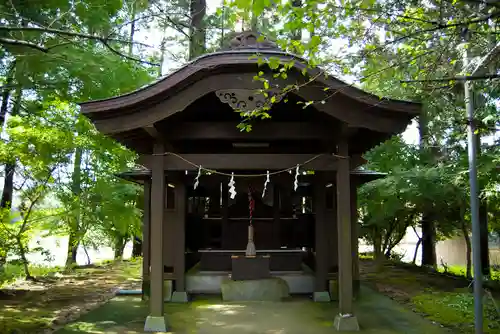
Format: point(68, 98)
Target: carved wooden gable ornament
point(247, 100)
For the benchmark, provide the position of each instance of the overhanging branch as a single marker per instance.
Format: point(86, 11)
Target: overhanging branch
point(458, 78)
point(104, 40)
point(15, 42)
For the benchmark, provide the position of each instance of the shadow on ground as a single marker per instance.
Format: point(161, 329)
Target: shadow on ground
point(33, 306)
point(376, 313)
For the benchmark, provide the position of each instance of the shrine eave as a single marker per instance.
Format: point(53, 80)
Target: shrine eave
point(237, 60)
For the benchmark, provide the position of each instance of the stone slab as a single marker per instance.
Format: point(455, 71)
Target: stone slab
point(346, 323)
point(155, 324)
point(179, 297)
point(270, 289)
point(321, 297)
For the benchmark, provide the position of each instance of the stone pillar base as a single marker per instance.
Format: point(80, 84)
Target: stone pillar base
point(346, 322)
point(155, 324)
point(179, 297)
point(321, 297)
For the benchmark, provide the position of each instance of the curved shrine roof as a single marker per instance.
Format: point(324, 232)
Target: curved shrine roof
point(238, 57)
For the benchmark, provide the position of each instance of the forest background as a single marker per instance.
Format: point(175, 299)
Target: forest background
point(59, 172)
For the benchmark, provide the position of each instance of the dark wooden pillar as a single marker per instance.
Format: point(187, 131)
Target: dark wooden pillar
point(156, 319)
point(321, 244)
point(355, 236)
point(345, 320)
point(146, 240)
point(179, 247)
point(331, 218)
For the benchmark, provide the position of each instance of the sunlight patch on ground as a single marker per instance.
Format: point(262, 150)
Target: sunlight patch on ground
point(229, 309)
point(377, 314)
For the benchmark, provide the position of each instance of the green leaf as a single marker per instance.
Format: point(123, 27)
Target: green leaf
point(273, 62)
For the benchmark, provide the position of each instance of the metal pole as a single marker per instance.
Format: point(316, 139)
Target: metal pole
point(474, 202)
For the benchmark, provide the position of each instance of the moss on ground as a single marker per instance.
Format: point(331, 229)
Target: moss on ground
point(210, 315)
point(28, 307)
point(456, 310)
point(460, 271)
point(444, 299)
point(11, 272)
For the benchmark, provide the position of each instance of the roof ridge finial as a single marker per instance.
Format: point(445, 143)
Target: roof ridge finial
point(251, 40)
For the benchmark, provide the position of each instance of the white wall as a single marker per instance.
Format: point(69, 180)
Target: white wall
point(58, 248)
point(451, 252)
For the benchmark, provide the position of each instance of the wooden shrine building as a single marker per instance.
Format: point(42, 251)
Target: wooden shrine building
point(305, 224)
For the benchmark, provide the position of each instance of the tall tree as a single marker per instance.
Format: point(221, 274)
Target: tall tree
point(69, 58)
point(408, 50)
point(197, 32)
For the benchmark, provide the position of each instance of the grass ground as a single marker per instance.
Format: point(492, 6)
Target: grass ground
point(29, 307)
point(461, 272)
point(376, 313)
point(444, 299)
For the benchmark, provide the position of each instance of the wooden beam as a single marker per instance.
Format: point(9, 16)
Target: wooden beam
point(153, 132)
point(266, 130)
point(321, 242)
point(356, 161)
point(146, 237)
point(245, 161)
point(180, 230)
point(157, 211)
point(331, 218)
point(354, 237)
point(344, 224)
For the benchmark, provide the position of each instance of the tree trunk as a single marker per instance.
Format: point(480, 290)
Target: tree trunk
point(197, 30)
point(468, 249)
point(132, 28)
point(428, 242)
point(10, 168)
point(483, 220)
point(120, 247)
point(297, 33)
point(137, 247)
point(9, 80)
point(427, 224)
point(89, 261)
point(74, 220)
point(378, 253)
point(162, 53)
point(26, 213)
point(8, 186)
point(22, 253)
point(417, 246)
point(222, 24)
point(415, 255)
point(254, 22)
point(484, 235)
point(73, 244)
